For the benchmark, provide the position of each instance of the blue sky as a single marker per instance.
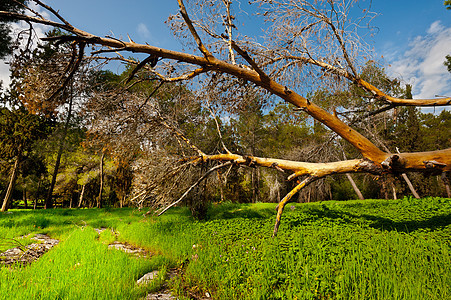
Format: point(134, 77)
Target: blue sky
point(413, 37)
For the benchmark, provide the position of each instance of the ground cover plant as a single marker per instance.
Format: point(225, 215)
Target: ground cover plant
point(373, 249)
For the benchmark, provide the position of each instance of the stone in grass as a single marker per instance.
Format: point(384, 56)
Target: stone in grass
point(29, 253)
point(147, 278)
point(126, 248)
point(161, 296)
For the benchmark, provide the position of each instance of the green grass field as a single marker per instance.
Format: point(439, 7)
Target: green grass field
point(372, 249)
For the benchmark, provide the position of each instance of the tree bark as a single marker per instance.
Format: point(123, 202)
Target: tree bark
point(99, 200)
point(384, 188)
point(121, 201)
point(355, 187)
point(35, 202)
point(12, 182)
point(25, 199)
point(80, 202)
point(409, 183)
point(393, 188)
point(445, 179)
point(49, 198)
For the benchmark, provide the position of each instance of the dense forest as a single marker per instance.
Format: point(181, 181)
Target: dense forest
point(107, 159)
point(75, 134)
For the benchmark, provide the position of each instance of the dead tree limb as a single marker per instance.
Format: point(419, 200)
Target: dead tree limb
point(375, 160)
point(288, 197)
point(194, 185)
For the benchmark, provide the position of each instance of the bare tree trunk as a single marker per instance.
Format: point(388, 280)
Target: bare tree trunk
point(412, 189)
point(35, 202)
point(446, 183)
point(409, 183)
point(49, 200)
point(395, 197)
point(354, 186)
point(80, 202)
point(384, 188)
point(448, 190)
point(254, 186)
point(221, 187)
point(121, 202)
point(12, 182)
point(99, 200)
point(25, 198)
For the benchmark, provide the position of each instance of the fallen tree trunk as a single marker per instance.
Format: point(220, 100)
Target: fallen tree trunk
point(374, 160)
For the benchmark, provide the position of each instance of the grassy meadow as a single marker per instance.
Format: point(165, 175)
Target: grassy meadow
point(372, 249)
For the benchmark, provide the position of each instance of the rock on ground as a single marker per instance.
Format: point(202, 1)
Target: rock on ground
point(161, 296)
point(30, 253)
point(146, 278)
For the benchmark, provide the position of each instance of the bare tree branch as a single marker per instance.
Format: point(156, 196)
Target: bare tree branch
point(288, 197)
point(193, 31)
point(194, 185)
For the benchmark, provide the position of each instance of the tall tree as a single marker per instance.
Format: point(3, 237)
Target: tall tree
point(6, 42)
point(18, 131)
point(309, 44)
point(46, 79)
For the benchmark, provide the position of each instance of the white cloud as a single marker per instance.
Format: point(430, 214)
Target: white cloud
point(4, 74)
point(38, 30)
point(143, 31)
point(422, 64)
point(435, 27)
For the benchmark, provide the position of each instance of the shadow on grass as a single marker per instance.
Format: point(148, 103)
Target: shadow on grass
point(65, 217)
point(243, 211)
point(407, 225)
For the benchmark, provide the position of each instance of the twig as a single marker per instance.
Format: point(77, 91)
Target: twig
point(54, 12)
point(193, 31)
point(152, 59)
point(182, 136)
point(72, 72)
point(217, 126)
point(252, 62)
point(195, 184)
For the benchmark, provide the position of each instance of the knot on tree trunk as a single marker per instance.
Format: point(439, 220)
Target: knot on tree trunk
point(392, 163)
point(434, 167)
point(433, 164)
point(367, 165)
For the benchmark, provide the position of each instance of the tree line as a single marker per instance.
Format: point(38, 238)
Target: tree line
point(307, 104)
point(105, 155)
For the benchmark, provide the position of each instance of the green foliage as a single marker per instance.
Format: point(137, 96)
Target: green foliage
point(435, 130)
point(354, 250)
point(5, 38)
point(371, 249)
point(447, 62)
point(80, 268)
point(19, 130)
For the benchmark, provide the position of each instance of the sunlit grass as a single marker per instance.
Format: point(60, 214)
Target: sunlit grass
point(373, 249)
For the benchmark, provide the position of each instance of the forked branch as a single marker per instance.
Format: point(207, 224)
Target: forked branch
point(287, 198)
point(193, 31)
point(374, 160)
point(194, 185)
